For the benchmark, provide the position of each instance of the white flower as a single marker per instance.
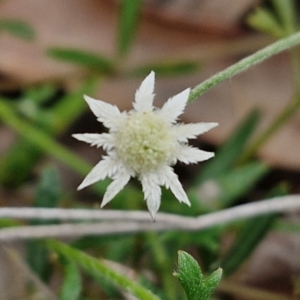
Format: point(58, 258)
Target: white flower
point(144, 142)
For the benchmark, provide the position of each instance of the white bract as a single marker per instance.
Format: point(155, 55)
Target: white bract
point(144, 143)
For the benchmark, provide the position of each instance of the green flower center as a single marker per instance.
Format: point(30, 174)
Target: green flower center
point(146, 142)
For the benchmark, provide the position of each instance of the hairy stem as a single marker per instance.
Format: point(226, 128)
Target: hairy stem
point(244, 64)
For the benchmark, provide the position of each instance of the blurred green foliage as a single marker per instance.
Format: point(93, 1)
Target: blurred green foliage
point(41, 114)
point(17, 28)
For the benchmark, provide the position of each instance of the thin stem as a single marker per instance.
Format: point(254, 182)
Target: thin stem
point(163, 263)
point(124, 224)
point(97, 266)
point(248, 293)
point(24, 269)
point(245, 63)
point(291, 109)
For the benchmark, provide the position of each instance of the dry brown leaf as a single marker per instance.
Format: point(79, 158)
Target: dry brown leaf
point(91, 25)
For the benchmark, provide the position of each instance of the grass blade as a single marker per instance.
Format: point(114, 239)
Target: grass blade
point(17, 28)
point(82, 58)
point(128, 19)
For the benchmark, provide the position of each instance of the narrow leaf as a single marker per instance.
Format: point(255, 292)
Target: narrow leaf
point(82, 58)
point(249, 237)
point(263, 20)
point(72, 285)
point(223, 190)
point(47, 195)
point(49, 189)
point(231, 149)
point(128, 19)
point(168, 68)
point(21, 156)
point(40, 94)
point(240, 180)
point(287, 12)
point(17, 28)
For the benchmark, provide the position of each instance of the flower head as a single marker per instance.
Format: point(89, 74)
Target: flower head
point(144, 143)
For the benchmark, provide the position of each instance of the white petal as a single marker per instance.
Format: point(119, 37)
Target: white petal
point(107, 167)
point(171, 181)
point(183, 132)
point(191, 155)
point(152, 192)
point(105, 140)
point(144, 95)
point(106, 113)
point(174, 107)
point(121, 178)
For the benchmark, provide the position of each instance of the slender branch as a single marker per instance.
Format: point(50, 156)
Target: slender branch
point(116, 222)
point(248, 293)
point(245, 63)
point(17, 259)
point(65, 214)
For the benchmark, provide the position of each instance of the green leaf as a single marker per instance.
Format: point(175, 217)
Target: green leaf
point(190, 276)
point(168, 68)
point(96, 266)
point(223, 190)
point(72, 105)
point(71, 288)
point(286, 226)
point(38, 259)
point(35, 140)
point(263, 20)
point(249, 237)
point(21, 156)
point(83, 58)
point(231, 150)
point(47, 195)
point(128, 19)
point(195, 285)
point(31, 103)
point(40, 94)
point(49, 190)
point(279, 22)
point(287, 13)
point(211, 282)
point(9, 223)
point(17, 28)
point(239, 181)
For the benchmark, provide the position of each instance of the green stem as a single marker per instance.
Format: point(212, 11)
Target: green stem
point(283, 116)
point(163, 262)
point(98, 267)
point(245, 63)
